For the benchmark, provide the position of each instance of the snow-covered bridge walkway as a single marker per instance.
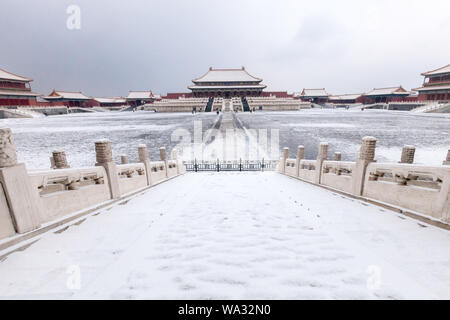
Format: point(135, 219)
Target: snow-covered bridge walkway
point(235, 235)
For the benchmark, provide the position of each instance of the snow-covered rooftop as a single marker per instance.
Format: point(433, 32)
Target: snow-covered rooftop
point(22, 93)
point(227, 75)
point(433, 88)
point(346, 96)
point(66, 95)
point(5, 75)
point(313, 93)
point(388, 91)
point(442, 70)
point(140, 95)
point(111, 100)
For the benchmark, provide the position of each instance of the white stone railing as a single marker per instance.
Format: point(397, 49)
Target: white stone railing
point(64, 191)
point(418, 189)
point(307, 170)
point(29, 199)
point(131, 177)
point(338, 174)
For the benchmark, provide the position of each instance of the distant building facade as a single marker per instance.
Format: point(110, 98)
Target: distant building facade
point(346, 98)
point(16, 90)
point(137, 98)
point(436, 85)
point(110, 101)
point(70, 99)
point(386, 95)
point(313, 95)
point(227, 83)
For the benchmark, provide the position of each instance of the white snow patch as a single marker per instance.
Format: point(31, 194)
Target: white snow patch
point(236, 236)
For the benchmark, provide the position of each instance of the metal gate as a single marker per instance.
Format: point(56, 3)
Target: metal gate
point(239, 165)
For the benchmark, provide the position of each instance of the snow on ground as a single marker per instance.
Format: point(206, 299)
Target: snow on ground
point(75, 133)
point(235, 236)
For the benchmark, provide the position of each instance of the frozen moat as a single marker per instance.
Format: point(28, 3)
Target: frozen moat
point(343, 129)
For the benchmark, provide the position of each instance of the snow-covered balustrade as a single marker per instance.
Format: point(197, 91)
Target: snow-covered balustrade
point(64, 191)
point(291, 168)
point(131, 177)
point(30, 199)
point(158, 171)
point(338, 174)
point(418, 189)
point(307, 170)
point(172, 170)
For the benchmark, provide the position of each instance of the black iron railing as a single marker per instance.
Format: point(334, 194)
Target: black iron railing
point(237, 165)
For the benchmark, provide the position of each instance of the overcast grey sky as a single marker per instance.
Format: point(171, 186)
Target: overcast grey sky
point(344, 46)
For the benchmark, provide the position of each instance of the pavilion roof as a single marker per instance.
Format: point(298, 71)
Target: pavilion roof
point(388, 91)
point(442, 70)
point(111, 100)
point(22, 93)
point(5, 75)
point(140, 95)
point(230, 87)
point(227, 75)
point(433, 88)
point(66, 95)
point(313, 93)
point(349, 96)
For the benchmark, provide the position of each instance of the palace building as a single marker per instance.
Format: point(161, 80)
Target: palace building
point(227, 83)
point(386, 95)
point(436, 85)
point(16, 90)
point(137, 98)
point(69, 99)
point(313, 95)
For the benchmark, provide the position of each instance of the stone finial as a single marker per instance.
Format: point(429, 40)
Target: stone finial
point(52, 163)
point(124, 159)
point(323, 151)
point(8, 155)
point(60, 159)
point(142, 152)
point(174, 154)
point(367, 151)
point(103, 151)
point(337, 156)
point(300, 152)
point(162, 154)
point(447, 160)
point(408, 154)
point(285, 153)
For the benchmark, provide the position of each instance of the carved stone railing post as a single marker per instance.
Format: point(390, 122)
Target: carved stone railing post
point(60, 159)
point(447, 160)
point(408, 154)
point(321, 157)
point(124, 159)
point(163, 156)
point(300, 157)
point(143, 158)
point(52, 163)
point(366, 156)
point(283, 160)
point(175, 157)
point(104, 158)
point(23, 201)
point(337, 156)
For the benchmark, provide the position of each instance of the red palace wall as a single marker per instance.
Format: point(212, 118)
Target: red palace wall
point(176, 95)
